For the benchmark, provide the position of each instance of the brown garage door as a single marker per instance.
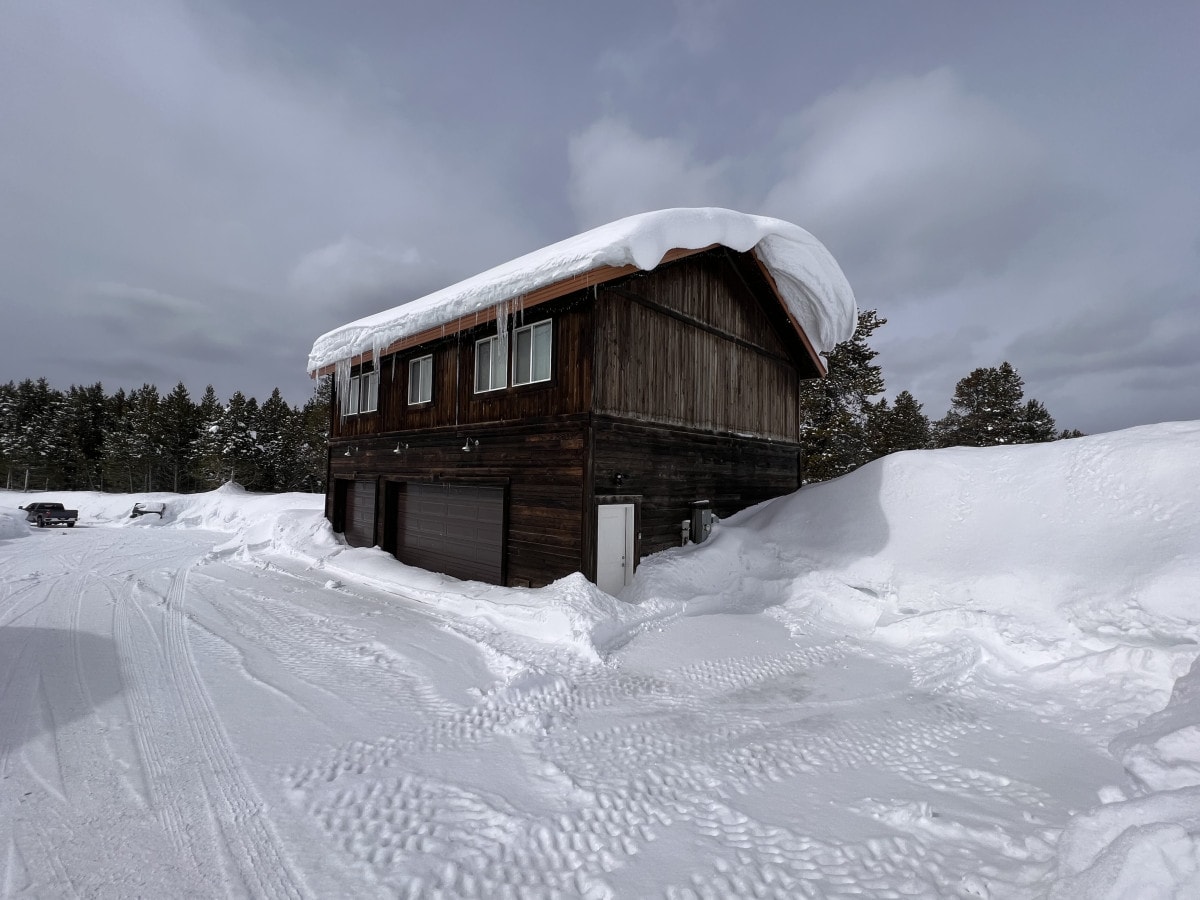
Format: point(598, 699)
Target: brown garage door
point(456, 529)
point(358, 515)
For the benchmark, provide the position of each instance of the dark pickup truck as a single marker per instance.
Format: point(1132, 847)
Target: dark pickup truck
point(45, 514)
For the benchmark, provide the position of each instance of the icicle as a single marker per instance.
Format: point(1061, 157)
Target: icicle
point(341, 383)
point(502, 316)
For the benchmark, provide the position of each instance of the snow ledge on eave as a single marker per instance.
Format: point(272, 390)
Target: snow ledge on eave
point(808, 278)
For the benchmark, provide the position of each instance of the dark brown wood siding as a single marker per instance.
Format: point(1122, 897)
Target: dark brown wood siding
point(454, 401)
point(668, 468)
point(540, 463)
point(689, 344)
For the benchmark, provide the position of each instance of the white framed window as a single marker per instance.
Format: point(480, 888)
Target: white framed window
point(420, 380)
point(531, 353)
point(369, 391)
point(362, 394)
point(350, 401)
point(491, 365)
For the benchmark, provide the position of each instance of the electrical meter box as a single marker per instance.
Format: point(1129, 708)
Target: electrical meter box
point(701, 520)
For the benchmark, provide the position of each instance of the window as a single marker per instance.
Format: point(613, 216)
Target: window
point(362, 394)
point(369, 391)
point(420, 380)
point(491, 369)
point(350, 400)
point(531, 353)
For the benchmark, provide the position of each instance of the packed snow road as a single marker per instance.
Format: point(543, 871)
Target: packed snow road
point(176, 721)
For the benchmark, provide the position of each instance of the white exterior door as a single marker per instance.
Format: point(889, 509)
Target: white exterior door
point(614, 546)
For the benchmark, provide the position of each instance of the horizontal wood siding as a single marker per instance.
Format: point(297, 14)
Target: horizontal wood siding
point(454, 401)
point(569, 390)
point(541, 464)
point(668, 468)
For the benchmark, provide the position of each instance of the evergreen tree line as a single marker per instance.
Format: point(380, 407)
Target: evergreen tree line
point(842, 427)
point(86, 439)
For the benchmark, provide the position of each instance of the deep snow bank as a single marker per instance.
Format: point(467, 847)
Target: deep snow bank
point(1074, 566)
point(1145, 840)
point(566, 614)
point(12, 522)
point(1044, 553)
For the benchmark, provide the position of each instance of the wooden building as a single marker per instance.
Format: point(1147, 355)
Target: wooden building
point(520, 427)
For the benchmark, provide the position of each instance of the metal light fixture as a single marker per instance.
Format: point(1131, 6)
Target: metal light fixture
point(400, 448)
point(470, 445)
point(619, 479)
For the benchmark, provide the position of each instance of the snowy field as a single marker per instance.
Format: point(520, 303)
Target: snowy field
point(957, 673)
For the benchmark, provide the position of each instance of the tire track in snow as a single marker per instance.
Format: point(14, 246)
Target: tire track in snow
point(310, 646)
point(252, 844)
point(163, 788)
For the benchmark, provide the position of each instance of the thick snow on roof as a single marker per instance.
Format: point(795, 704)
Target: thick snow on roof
point(809, 279)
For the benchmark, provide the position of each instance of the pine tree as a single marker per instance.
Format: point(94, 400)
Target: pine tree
point(8, 433)
point(834, 410)
point(35, 446)
point(84, 418)
point(133, 450)
point(205, 461)
point(988, 410)
point(985, 410)
point(278, 441)
point(228, 443)
point(313, 447)
point(180, 422)
point(1037, 425)
point(902, 427)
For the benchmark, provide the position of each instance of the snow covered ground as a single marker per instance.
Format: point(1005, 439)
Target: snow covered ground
point(960, 673)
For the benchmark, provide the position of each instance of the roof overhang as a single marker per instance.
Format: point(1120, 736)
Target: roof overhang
point(546, 293)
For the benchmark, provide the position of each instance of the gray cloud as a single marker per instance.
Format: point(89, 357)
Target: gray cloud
point(616, 172)
point(922, 182)
point(145, 146)
point(197, 190)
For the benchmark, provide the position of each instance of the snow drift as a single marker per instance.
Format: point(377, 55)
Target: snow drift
point(1071, 563)
point(12, 524)
point(1069, 569)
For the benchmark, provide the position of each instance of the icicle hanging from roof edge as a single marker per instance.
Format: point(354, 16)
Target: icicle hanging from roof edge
point(341, 383)
point(502, 315)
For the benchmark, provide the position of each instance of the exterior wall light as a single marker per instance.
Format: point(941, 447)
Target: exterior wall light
point(470, 445)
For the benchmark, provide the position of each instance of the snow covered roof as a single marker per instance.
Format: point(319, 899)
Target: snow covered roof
point(811, 285)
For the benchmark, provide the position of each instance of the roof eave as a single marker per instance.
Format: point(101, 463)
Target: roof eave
point(553, 291)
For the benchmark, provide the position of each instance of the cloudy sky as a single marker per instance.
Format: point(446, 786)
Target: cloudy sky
point(196, 190)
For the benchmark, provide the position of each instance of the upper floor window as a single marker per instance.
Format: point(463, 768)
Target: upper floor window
point(362, 393)
point(420, 380)
point(491, 369)
point(368, 400)
point(531, 353)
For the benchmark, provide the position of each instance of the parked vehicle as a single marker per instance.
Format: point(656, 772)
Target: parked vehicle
point(49, 514)
point(149, 508)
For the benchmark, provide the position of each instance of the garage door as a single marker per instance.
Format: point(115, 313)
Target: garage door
point(452, 528)
point(358, 515)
